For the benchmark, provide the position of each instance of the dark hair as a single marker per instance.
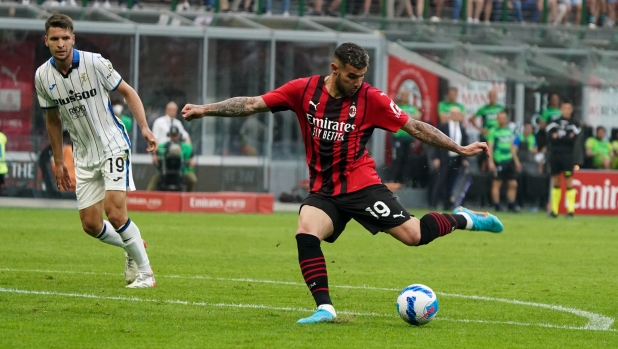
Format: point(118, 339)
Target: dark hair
point(601, 128)
point(453, 88)
point(528, 123)
point(352, 54)
point(567, 101)
point(552, 94)
point(59, 21)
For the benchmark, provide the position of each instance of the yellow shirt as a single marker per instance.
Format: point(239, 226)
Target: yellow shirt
point(3, 168)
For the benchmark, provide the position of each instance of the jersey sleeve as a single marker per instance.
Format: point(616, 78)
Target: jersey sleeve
point(45, 100)
point(106, 74)
point(383, 112)
point(590, 143)
point(286, 96)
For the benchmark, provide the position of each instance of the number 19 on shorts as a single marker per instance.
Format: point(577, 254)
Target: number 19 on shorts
point(379, 210)
point(115, 165)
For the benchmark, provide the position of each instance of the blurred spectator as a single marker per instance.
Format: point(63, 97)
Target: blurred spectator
point(609, 10)
point(596, 8)
point(165, 152)
point(126, 120)
point(599, 150)
point(407, 4)
point(163, 124)
point(614, 141)
point(269, 5)
point(552, 112)
point(574, 6)
point(67, 153)
point(402, 142)
point(448, 163)
point(3, 168)
point(252, 136)
point(330, 11)
point(527, 6)
point(505, 165)
point(528, 150)
point(420, 6)
point(488, 115)
point(445, 108)
point(473, 10)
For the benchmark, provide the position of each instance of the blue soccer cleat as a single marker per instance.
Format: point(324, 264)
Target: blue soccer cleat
point(320, 315)
point(482, 220)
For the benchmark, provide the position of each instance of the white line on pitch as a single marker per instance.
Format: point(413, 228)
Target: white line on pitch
point(267, 307)
point(595, 321)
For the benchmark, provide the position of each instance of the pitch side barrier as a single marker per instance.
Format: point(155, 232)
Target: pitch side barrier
point(219, 202)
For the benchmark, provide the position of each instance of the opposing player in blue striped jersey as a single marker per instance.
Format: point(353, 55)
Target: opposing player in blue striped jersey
point(73, 87)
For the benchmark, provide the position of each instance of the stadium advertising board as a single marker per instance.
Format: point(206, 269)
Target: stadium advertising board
point(16, 88)
point(597, 193)
point(421, 85)
point(220, 202)
point(602, 107)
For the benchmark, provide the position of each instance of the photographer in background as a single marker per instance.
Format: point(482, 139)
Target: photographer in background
point(175, 157)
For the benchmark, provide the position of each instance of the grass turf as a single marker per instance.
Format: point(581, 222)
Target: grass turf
point(206, 265)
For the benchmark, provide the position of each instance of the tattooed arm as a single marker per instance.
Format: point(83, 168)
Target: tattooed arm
point(432, 136)
point(237, 106)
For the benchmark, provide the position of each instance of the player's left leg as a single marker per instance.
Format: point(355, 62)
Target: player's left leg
point(117, 176)
point(116, 211)
point(417, 232)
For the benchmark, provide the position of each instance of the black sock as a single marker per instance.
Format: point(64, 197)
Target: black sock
point(434, 225)
point(313, 267)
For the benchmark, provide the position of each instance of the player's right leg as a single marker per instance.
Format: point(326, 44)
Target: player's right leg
point(90, 193)
point(314, 225)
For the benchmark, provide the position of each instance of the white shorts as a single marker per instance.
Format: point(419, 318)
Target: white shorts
point(111, 174)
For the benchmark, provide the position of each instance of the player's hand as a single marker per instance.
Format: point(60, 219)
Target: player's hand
point(554, 135)
point(191, 112)
point(518, 166)
point(436, 163)
point(63, 179)
point(474, 149)
point(150, 140)
point(465, 163)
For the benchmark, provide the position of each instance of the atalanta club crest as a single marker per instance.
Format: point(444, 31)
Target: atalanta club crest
point(352, 112)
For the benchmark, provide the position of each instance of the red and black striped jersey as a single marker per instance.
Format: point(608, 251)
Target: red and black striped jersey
point(336, 130)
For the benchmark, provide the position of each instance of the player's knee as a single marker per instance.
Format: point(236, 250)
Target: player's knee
point(117, 218)
point(92, 227)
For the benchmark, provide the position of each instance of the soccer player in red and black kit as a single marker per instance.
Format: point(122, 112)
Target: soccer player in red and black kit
point(337, 114)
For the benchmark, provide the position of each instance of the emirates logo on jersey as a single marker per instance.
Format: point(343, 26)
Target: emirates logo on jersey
point(326, 129)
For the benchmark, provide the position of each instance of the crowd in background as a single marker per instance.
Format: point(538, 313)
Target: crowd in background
point(568, 12)
point(519, 169)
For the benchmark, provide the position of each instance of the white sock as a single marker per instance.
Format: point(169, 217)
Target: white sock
point(109, 235)
point(329, 308)
point(134, 245)
point(468, 219)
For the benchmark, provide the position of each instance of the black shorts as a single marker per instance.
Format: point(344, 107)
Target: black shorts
point(506, 171)
point(561, 163)
point(374, 207)
point(1, 179)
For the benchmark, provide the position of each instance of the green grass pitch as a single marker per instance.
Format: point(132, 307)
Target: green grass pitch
point(233, 281)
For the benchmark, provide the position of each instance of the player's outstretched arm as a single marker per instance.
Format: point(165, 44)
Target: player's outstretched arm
point(53, 124)
point(237, 106)
point(432, 136)
point(137, 108)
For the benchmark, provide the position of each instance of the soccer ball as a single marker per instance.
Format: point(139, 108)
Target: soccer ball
point(417, 304)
